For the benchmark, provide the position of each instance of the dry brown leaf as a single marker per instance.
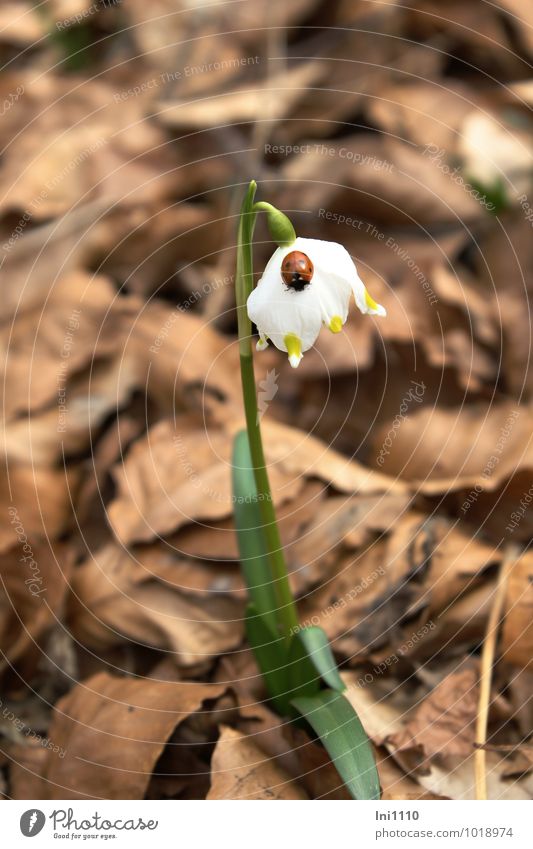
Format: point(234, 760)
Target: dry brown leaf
point(110, 210)
point(352, 604)
point(43, 498)
point(282, 90)
point(448, 777)
point(241, 771)
point(35, 580)
point(443, 723)
point(39, 258)
point(83, 143)
point(113, 731)
point(180, 360)
point(77, 326)
point(178, 474)
point(377, 180)
point(406, 109)
point(157, 495)
point(446, 449)
point(115, 600)
point(441, 558)
point(395, 784)
point(504, 267)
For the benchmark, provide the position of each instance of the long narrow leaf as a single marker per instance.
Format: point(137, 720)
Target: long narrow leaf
point(311, 661)
point(270, 652)
point(335, 721)
point(254, 562)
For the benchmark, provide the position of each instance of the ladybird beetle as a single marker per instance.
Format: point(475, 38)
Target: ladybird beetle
point(297, 270)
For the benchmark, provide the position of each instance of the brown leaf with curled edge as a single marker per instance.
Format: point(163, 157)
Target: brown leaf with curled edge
point(353, 602)
point(181, 360)
point(485, 37)
point(34, 582)
point(451, 776)
point(212, 551)
point(443, 722)
point(407, 109)
point(240, 770)
point(517, 632)
point(70, 427)
point(505, 269)
point(50, 343)
point(124, 569)
point(43, 497)
point(339, 522)
point(113, 730)
point(450, 449)
point(456, 558)
point(83, 143)
point(117, 599)
point(292, 453)
point(39, 259)
point(440, 557)
point(180, 474)
point(172, 477)
point(377, 179)
point(396, 784)
point(282, 91)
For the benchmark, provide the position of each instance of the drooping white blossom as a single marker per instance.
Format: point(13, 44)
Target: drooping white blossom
point(305, 286)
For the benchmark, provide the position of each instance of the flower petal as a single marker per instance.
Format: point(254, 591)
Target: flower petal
point(334, 264)
point(294, 349)
point(335, 324)
point(278, 311)
point(372, 307)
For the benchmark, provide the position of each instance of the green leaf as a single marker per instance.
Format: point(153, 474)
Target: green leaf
point(335, 721)
point(270, 652)
point(310, 660)
point(248, 524)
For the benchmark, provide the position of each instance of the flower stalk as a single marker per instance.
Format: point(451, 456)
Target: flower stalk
point(287, 618)
point(297, 664)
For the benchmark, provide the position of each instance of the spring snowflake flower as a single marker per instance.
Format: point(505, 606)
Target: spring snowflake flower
point(306, 285)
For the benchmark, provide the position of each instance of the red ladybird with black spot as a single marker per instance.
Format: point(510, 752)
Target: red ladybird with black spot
point(297, 270)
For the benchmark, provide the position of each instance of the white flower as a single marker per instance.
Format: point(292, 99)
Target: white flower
point(304, 286)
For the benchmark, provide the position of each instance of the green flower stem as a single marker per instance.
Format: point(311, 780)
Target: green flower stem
point(286, 613)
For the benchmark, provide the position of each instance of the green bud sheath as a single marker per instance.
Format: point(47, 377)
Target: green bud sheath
point(279, 225)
